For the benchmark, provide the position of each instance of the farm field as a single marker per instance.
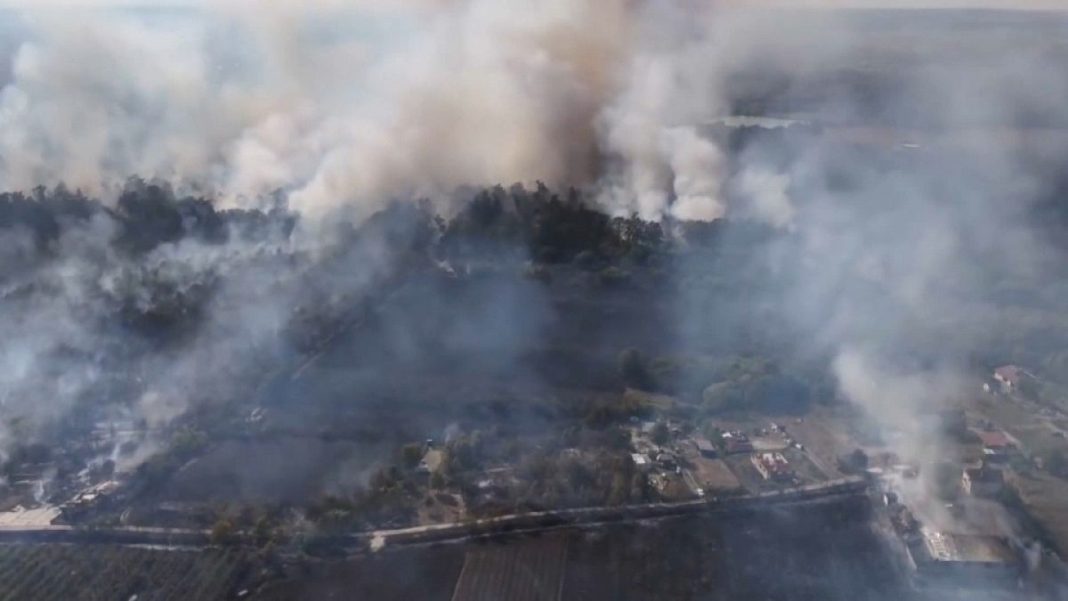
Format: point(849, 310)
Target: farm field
point(1041, 493)
point(417, 573)
point(527, 571)
point(825, 553)
point(1044, 496)
point(1025, 421)
point(713, 474)
point(46, 572)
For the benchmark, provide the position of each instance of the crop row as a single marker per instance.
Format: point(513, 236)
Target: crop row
point(104, 573)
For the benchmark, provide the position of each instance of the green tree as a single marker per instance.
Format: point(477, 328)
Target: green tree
point(613, 276)
point(619, 493)
point(1029, 388)
point(947, 480)
point(854, 462)
point(1057, 463)
point(188, 442)
point(720, 397)
point(262, 531)
point(437, 481)
point(411, 454)
point(640, 489)
point(660, 433)
point(222, 532)
point(634, 369)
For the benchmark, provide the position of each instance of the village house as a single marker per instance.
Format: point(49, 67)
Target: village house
point(772, 466)
point(997, 446)
point(982, 481)
point(737, 442)
point(432, 462)
point(640, 461)
point(705, 447)
point(1008, 377)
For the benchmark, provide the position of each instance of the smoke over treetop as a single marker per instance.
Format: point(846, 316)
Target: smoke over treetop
point(876, 239)
point(347, 106)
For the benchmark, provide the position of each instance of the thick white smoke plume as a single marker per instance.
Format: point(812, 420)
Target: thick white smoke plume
point(351, 105)
point(342, 107)
point(338, 108)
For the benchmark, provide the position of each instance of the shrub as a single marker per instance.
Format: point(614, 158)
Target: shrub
point(634, 370)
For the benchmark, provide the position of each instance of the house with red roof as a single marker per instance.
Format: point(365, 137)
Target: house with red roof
point(1008, 376)
point(996, 444)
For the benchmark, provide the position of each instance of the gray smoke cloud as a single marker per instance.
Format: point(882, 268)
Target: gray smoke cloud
point(348, 104)
point(341, 106)
point(899, 220)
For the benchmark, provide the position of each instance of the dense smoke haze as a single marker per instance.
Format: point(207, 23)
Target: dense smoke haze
point(274, 256)
point(291, 159)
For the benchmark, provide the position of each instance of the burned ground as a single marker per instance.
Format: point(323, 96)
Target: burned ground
point(283, 375)
point(828, 554)
point(500, 319)
point(46, 572)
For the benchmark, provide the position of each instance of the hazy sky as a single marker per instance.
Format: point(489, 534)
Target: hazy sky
point(999, 4)
point(996, 4)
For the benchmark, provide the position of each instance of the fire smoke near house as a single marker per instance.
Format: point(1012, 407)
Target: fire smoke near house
point(321, 232)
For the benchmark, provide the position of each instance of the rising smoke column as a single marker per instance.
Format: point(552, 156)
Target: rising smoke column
point(351, 105)
point(344, 108)
point(905, 216)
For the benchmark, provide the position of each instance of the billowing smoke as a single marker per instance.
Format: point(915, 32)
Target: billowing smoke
point(348, 105)
point(900, 188)
point(895, 223)
point(338, 109)
point(768, 197)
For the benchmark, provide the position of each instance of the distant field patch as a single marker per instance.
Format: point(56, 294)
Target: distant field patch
point(528, 571)
point(50, 572)
point(649, 400)
point(714, 475)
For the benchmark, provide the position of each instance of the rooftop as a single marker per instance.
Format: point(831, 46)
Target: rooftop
point(945, 546)
point(774, 462)
point(994, 439)
point(704, 444)
point(985, 474)
point(432, 461)
point(20, 517)
point(1008, 373)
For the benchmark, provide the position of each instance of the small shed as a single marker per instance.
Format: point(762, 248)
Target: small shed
point(705, 447)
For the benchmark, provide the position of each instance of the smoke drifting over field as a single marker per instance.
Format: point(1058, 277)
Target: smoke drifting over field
point(899, 221)
point(335, 109)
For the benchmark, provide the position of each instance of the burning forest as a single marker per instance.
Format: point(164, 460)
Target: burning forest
point(563, 300)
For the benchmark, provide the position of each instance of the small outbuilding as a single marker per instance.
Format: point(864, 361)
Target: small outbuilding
point(772, 466)
point(705, 447)
point(1008, 377)
point(982, 481)
point(996, 444)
